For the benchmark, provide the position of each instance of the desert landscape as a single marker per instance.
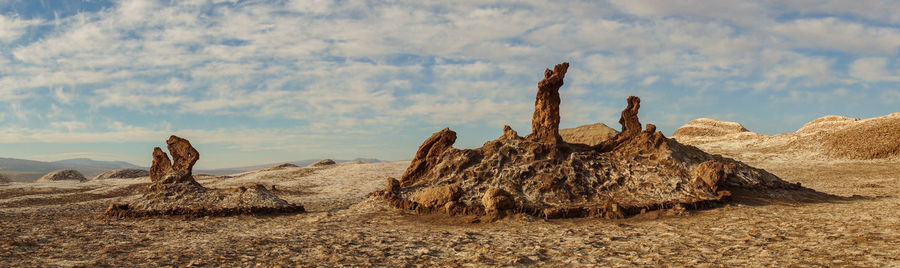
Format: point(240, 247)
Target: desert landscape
point(822, 196)
point(403, 133)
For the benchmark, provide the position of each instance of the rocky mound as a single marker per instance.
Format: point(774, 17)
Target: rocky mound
point(322, 163)
point(874, 138)
point(128, 173)
point(175, 192)
point(826, 138)
point(542, 175)
point(705, 127)
point(3, 179)
point(588, 134)
point(63, 175)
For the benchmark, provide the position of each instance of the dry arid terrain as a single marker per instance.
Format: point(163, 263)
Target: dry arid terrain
point(61, 224)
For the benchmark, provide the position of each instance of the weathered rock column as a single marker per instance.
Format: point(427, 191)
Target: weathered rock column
point(545, 122)
point(630, 124)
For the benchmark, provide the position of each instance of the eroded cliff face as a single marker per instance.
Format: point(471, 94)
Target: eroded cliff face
point(174, 191)
point(542, 175)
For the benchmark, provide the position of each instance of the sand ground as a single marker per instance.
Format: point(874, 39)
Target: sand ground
point(59, 224)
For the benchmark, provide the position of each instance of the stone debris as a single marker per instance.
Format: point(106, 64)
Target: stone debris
point(174, 191)
point(63, 175)
point(542, 175)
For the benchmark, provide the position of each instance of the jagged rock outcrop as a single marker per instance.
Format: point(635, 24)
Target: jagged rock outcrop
point(128, 173)
point(429, 154)
point(322, 163)
point(545, 121)
point(174, 191)
point(63, 175)
point(542, 175)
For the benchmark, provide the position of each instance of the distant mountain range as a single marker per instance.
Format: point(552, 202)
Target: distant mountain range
point(30, 170)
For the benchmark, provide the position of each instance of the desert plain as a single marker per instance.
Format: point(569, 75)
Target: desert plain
point(61, 223)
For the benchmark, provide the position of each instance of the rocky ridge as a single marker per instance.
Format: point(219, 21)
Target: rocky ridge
point(827, 138)
point(636, 170)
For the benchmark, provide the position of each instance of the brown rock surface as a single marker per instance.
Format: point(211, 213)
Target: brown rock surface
point(545, 121)
point(3, 179)
point(63, 175)
point(437, 196)
point(161, 165)
point(184, 156)
point(428, 154)
point(635, 170)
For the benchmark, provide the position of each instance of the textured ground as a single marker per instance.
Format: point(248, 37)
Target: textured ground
point(58, 224)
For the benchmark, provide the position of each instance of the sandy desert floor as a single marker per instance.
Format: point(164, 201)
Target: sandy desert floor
point(59, 224)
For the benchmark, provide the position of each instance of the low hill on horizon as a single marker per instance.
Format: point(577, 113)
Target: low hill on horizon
point(30, 170)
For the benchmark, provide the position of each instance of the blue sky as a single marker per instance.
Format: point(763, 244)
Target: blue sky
point(252, 82)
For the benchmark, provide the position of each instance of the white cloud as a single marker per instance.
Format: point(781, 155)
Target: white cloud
point(873, 69)
point(840, 35)
point(12, 28)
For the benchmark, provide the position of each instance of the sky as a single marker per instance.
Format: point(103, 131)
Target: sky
point(255, 82)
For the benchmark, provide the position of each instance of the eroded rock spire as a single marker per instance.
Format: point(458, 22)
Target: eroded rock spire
point(184, 156)
point(631, 125)
point(545, 122)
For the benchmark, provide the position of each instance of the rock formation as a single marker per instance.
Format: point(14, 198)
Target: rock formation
point(63, 175)
point(545, 121)
point(174, 191)
point(634, 171)
point(322, 163)
point(3, 179)
point(128, 173)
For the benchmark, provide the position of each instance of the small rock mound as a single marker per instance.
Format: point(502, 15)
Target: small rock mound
point(707, 127)
point(128, 173)
point(175, 192)
point(588, 134)
point(63, 175)
point(322, 163)
point(542, 175)
point(3, 179)
point(285, 165)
